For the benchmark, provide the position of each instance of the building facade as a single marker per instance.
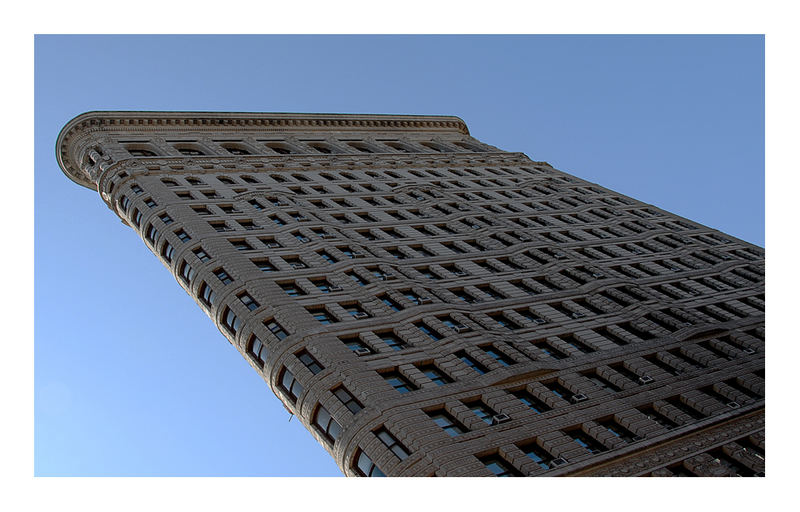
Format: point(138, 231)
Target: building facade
point(430, 305)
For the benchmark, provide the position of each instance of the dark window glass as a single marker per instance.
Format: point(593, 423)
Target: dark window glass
point(393, 444)
point(347, 399)
point(309, 361)
point(447, 423)
point(366, 467)
point(258, 350)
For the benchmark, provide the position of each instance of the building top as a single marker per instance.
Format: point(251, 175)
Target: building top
point(71, 142)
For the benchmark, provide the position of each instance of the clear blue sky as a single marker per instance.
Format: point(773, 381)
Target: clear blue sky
point(132, 379)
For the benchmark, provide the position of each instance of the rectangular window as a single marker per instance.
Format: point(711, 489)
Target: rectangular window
point(292, 289)
point(220, 226)
point(472, 363)
point(347, 399)
point(499, 467)
point(207, 295)
point(392, 340)
point(531, 401)
point(264, 265)
point(326, 425)
point(389, 302)
point(587, 443)
point(241, 245)
point(322, 285)
point(391, 443)
point(152, 234)
point(538, 454)
point(231, 321)
point(398, 382)
point(365, 467)
point(248, 301)
point(257, 350)
point(435, 374)
point(223, 276)
point(447, 422)
point(276, 329)
point(166, 219)
point(327, 257)
point(150, 203)
point(482, 411)
point(290, 386)
point(182, 235)
point(186, 272)
point(322, 316)
point(201, 210)
point(426, 329)
point(498, 356)
point(356, 278)
point(309, 362)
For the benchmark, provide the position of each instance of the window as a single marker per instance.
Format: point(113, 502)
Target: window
point(169, 182)
point(365, 467)
point(201, 254)
point(201, 210)
point(231, 321)
point(586, 442)
point(226, 181)
point(327, 257)
point(347, 399)
point(391, 443)
point(436, 375)
point(185, 195)
point(309, 362)
point(168, 251)
point(124, 202)
point(531, 401)
point(390, 303)
point(356, 278)
point(241, 245)
point(255, 204)
point(220, 226)
point(276, 329)
point(448, 424)
point(356, 311)
point(264, 265)
point(322, 316)
point(136, 189)
point(166, 219)
point(538, 454)
point(326, 425)
point(137, 217)
point(322, 285)
point(472, 363)
point(247, 224)
point(426, 329)
point(292, 289)
point(498, 466)
point(150, 203)
point(498, 356)
point(257, 350)
point(141, 152)
point(223, 276)
point(618, 430)
point(190, 152)
point(186, 272)
point(482, 411)
point(182, 236)
point(290, 386)
point(248, 301)
point(354, 344)
point(398, 382)
point(152, 234)
point(392, 340)
point(207, 295)
point(277, 220)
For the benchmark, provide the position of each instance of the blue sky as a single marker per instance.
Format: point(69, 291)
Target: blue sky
point(131, 378)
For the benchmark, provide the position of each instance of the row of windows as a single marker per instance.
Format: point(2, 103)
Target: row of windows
point(283, 147)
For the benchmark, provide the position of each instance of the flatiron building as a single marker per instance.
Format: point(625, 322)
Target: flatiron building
point(429, 305)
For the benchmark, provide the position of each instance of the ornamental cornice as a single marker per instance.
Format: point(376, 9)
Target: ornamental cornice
point(135, 122)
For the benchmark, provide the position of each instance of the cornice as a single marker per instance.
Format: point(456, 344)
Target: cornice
point(136, 121)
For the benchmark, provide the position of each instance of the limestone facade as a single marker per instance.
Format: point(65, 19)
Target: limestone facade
point(429, 305)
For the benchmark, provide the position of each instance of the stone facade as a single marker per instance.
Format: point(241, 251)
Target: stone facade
point(429, 305)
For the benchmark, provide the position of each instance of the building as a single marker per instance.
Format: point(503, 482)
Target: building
point(429, 305)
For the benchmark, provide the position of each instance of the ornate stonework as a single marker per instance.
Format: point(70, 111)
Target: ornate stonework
point(429, 305)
